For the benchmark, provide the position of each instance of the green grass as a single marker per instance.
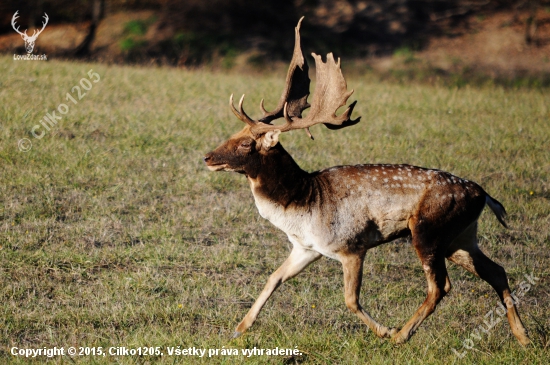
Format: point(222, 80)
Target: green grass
point(113, 233)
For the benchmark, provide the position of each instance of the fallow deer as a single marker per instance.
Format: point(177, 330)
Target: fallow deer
point(343, 211)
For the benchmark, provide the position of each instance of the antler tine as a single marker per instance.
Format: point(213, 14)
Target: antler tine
point(262, 107)
point(248, 120)
point(15, 16)
point(241, 115)
point(46, 18)
point(36, 33)
point(285, 112)
point(348, 122)
point(288, 125)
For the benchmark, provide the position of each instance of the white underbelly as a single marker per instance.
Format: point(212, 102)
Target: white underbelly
point(302, 228)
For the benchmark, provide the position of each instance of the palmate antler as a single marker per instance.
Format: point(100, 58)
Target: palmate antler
point(330, 94)
point(297, 85)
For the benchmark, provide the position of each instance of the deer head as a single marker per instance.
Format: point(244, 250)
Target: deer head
point(29, 40)
point(244, 152)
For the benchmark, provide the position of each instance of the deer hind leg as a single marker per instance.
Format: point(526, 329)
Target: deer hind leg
point(465, 252)
point(298, 260)
point(438, 286)
point(353, 274)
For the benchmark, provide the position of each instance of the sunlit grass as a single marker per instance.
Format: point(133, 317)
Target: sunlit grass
point(112, 232)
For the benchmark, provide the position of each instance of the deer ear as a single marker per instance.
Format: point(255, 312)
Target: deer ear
point(270, 139)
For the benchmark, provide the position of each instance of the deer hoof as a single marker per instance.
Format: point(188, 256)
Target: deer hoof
point(386, 332)
point(393, 332)
point(399, 339)
point(237, 334)
point(524, 341)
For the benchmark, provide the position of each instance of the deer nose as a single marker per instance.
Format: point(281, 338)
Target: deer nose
point(207, 157)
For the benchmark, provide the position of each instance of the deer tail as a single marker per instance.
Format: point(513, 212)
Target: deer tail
point(497, 208)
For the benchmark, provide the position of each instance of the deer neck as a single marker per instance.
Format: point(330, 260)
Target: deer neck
point(279, 179)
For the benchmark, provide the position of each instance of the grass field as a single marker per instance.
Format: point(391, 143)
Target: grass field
point(114, 234)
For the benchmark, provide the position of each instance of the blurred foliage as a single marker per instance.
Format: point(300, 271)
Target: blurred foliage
point(133, 45)
point(136, 27)
point(197, 31)
point(406, 53)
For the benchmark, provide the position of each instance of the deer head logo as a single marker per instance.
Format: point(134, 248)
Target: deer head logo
point(29, 41)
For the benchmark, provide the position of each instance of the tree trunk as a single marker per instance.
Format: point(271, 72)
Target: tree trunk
point(98, 9)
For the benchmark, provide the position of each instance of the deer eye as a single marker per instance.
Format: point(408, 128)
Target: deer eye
point(245, 144)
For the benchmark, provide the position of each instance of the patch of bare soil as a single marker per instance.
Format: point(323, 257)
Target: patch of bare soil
point(63, 39)
point(53, 40)
point(492, 45)
point(496, 43)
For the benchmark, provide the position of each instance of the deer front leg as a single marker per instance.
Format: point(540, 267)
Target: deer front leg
point(353, 274)
point(298, 260)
